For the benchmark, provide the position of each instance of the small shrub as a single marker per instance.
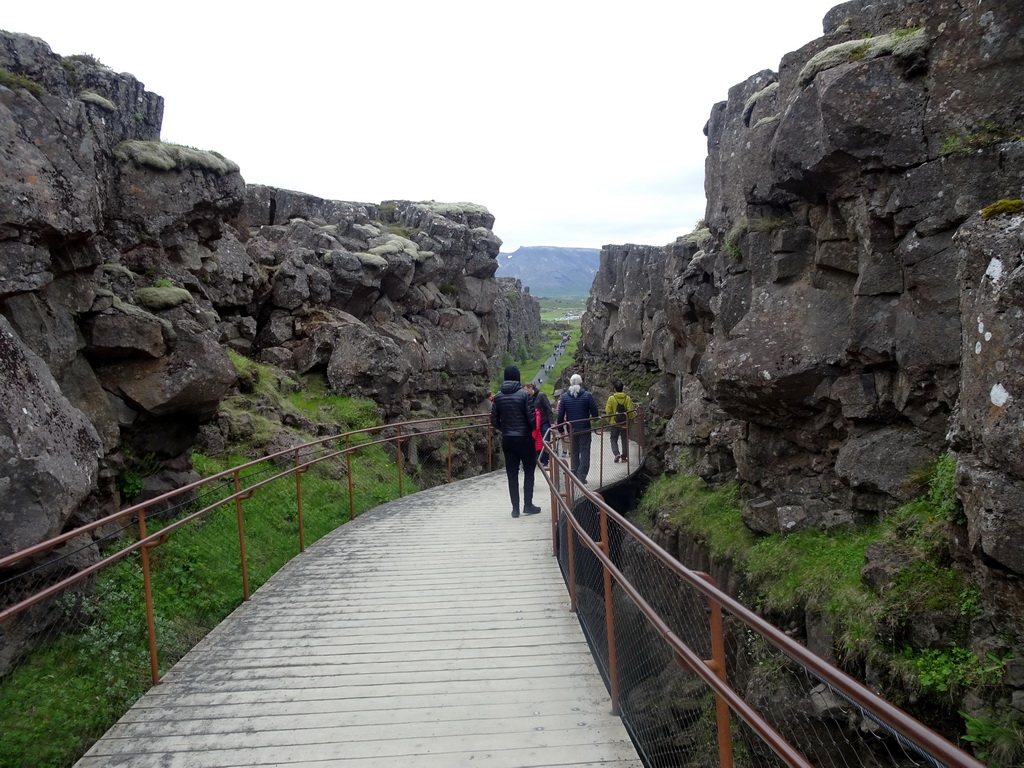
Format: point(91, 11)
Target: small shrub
point(769, 224)
point(999, 741)
point(733, 237)
point(86, 58)
point(130, 484)
point(942, 670)
point(700, 235)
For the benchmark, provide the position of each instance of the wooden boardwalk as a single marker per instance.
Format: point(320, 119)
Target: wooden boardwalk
point(432, 631)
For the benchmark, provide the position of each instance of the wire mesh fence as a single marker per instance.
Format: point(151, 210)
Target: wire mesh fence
point(699, 680)
point(89, 620)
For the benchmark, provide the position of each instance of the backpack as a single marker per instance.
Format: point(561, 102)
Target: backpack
point(620, 413)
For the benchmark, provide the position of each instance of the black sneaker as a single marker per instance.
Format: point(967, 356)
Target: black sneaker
point(515, 513)
point(531, 509)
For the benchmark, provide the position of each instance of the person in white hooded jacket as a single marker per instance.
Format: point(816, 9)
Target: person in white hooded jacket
point(577, 408)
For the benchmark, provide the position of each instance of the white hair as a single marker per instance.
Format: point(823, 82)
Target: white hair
point(576, 382)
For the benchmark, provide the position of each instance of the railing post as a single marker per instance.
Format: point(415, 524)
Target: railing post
point(398, 446)
point(147, 585)
point(567, 495)
point(553, 470)
point(571, 559)
point(490, 449)
point(351, 494)
point(241, 536)
point(298, 500)
point(718, 666)
point(609, 616)
point(449, 451)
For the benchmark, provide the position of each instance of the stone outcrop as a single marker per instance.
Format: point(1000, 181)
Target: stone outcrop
point(130, 267)
point(817, 341)
point(850, 310)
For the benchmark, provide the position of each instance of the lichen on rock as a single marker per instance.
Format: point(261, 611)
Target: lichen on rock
point(101, 101)
point(905, 44)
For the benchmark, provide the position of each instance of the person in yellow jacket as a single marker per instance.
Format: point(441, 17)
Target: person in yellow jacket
point(619, 411)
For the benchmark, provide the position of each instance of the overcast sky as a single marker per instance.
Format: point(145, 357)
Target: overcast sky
point(577, 123)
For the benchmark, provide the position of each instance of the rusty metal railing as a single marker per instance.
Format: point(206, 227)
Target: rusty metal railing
point(683, 660)
point(35, 565)
point(654, 625)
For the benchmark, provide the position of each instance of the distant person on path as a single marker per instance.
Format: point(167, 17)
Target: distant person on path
point(512, 413)
point(547, 417)
point(576, 407)
point(619, 411)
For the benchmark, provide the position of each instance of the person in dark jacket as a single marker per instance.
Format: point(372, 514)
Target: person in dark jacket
point(512, 413)
point(547, 416)
point(577, 407)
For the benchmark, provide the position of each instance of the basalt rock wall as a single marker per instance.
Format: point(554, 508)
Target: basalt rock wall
point(846, 313)
point(129, 268)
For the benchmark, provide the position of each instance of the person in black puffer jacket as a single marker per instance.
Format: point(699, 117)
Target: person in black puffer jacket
point(512, 413)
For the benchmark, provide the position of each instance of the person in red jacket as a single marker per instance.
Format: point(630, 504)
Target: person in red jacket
point(547, 416)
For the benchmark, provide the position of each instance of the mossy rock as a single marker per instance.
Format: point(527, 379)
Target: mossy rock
point(162, 156)
point(906, 44)
point(101, 101)
point(1003, 208)
point(14, 81)
point(699, 236)
point(158, 299)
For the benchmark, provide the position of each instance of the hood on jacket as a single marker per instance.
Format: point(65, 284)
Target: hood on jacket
point(508, 387)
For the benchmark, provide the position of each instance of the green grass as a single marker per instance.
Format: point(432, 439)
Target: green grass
point(552, 310)
point(713, 517)
point(315, 401)
point(820, 572)
point(14, 81)
point(809, 568)
point(68, 692)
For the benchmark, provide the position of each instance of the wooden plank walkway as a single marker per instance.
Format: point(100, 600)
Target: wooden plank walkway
point(432, 631)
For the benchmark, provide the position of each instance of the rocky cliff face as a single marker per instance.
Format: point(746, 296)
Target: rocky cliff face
point(129, 267)
point(848, 313)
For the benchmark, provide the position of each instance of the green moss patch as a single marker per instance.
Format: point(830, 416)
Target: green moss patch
point(1003, 208)
point(158, 298)
point(13, 81)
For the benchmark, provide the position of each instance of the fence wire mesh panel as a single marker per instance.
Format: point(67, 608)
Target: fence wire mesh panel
point(661, 638)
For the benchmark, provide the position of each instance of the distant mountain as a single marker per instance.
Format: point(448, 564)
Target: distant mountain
point(551, 272)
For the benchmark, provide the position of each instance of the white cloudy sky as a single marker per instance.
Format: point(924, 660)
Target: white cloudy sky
point(576, 122)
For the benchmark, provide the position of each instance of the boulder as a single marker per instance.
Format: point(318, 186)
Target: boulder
point(49, 450)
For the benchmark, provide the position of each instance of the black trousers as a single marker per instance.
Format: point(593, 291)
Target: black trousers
point(579, 455)
point(519, 450)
